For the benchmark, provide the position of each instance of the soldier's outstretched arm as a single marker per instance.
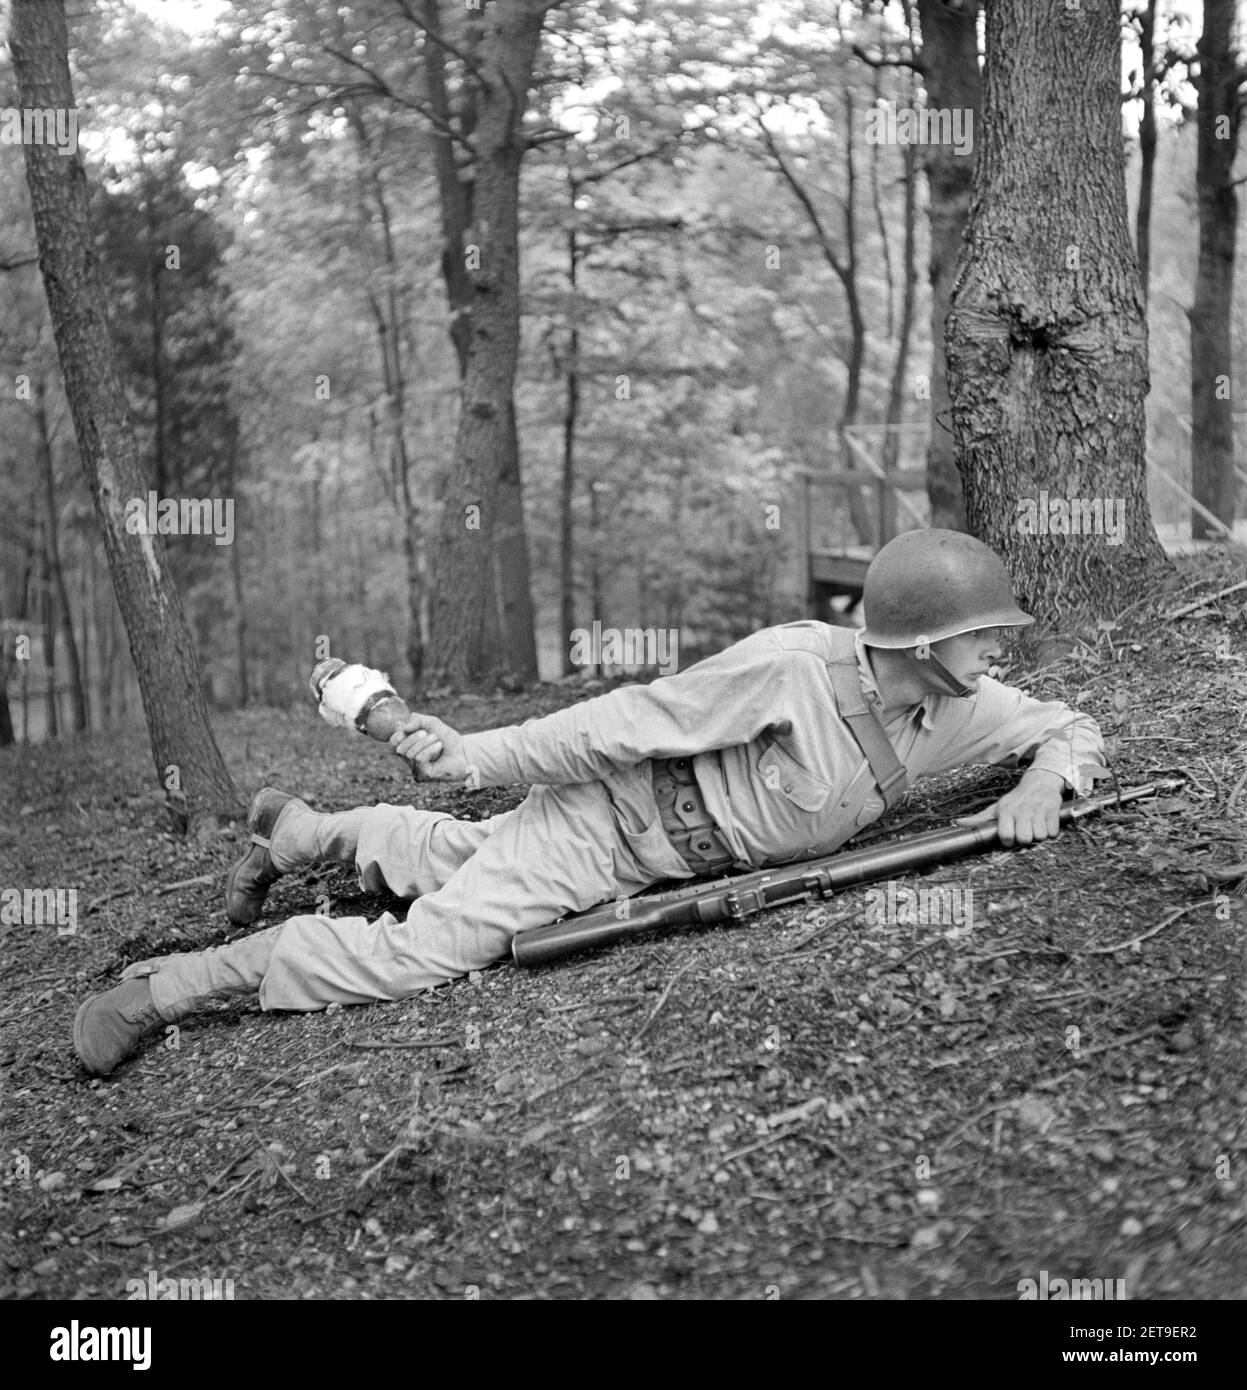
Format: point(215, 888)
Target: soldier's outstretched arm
point(725, 700)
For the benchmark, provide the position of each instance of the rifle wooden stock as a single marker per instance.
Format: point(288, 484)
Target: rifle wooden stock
point(732, 899)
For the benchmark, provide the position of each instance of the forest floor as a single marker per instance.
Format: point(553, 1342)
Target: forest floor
point(795, 1107)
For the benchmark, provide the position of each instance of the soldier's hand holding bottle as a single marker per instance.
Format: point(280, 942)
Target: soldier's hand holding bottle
point(434, 749)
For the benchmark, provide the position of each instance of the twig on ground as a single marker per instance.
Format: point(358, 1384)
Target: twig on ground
point(1204, 602)
point(666, 994)
point(205, 879)
point(96, 903)
point(1085, 1052)
point(25, 1013)
point(273, 1161)
point(1134, 941)
point(566, 1081)
point(591, 1003)
point(1234, 792)
point(381, 1163)
point(374, 1043)
point(796, 948)
point(973, 1120)
point(792, 1130)
point(922, 946)
point(323, 1215)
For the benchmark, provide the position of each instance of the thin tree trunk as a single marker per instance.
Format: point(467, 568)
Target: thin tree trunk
point(909, 269)
point(1147, 145)
point(6, 714)
point(885, 247)
point(235, 570)
point(155, 251)
point(188, 763)
point(596, 588)
point(567, 495)
point(393, 321)
point(47, 616)
point(84, 644)
point(56, 572)
point(1047, 342)
point(950, 72)
point(1212, 405)
point(844, 268)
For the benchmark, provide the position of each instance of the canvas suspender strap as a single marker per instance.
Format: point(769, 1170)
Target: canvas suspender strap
point(887, 768)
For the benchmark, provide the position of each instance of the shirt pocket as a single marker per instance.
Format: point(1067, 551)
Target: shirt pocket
point(783, 773)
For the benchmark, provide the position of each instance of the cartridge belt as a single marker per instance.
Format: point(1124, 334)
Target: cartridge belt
point(685, 817)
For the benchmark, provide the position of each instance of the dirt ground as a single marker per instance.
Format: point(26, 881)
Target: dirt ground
point(800, 1106)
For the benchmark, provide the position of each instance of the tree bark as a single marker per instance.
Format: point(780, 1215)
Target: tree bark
point(485, 466)
point(950, 70)
point(55, 570)
point(48, 621)
point(188, 763)
point(1047, 340)
point(235, 571)
point(1212, 405)
point(510, 625)
point(571, 412)
point(1147, 145)
point(6, 714)
point(885, 246)
point(896, 387)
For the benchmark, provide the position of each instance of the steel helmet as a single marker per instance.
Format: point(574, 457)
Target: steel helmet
point(924, 586)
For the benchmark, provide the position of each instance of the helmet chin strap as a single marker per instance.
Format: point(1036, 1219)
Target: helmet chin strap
point(943, 679)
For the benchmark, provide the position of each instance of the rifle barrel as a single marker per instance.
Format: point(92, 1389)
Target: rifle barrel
point(703, 903)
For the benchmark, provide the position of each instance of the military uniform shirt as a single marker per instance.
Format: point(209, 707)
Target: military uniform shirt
point(780, 770)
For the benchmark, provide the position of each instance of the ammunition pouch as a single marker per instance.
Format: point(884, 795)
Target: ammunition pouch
point(686, 819)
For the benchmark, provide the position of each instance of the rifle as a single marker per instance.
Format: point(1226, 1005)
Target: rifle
point(735, 898)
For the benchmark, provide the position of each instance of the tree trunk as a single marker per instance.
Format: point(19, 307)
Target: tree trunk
point(47, 616)
point(950, 68)
point(571, 411)
point(485, 465)
point(235, 571)
point(859, 511)
point(1147, 145)
point(511, 627)
point(396, 350)
point(55, 570)
point(188, 763)
point(885, 246)
point(156, 262)
point(6, 714)
point(1212, 405)
point(1047, 341)
point(86, 607)
point(909, 270)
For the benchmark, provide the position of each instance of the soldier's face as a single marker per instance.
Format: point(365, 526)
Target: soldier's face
point(969, 655)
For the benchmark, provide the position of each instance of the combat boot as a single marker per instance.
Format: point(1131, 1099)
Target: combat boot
point(110, 1026)
point(255, 873)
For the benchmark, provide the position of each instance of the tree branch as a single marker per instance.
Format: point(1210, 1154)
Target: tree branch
point(799, 191)
point(548, 137)
point(913, 64)
point(377, 87)
point(597, 175)
point(421, 22)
